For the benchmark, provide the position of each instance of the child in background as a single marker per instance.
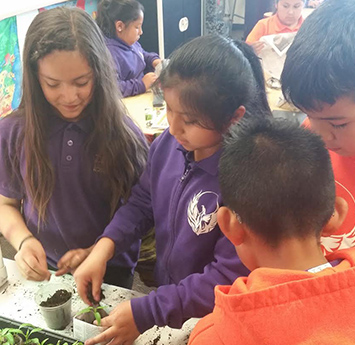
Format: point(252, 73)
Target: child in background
point(319, 78)
point(179, 191)
point(69, 154)
point(278, 189)
point(121, 22)
point(287, 18)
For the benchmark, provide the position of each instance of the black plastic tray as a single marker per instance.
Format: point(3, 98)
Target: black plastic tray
point(44, 334)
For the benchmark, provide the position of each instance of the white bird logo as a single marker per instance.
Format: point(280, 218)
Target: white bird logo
point(345, 240)
point(200, 222)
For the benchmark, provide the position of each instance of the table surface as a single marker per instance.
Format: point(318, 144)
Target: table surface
point(17, 303)
point(136, 106)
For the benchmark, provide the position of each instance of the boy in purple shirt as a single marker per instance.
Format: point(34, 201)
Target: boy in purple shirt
point(121, 22)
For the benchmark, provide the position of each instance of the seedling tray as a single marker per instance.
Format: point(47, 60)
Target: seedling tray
point(44, 334)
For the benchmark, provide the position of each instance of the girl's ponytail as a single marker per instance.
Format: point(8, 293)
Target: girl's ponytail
point(258, 73)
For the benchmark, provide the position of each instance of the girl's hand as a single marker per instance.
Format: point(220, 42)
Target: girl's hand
point(91, 271)
point(93, 268)
point(314, 3)
point(156, 62)
point(31, 260)
point(258, 47)
point(121, 327)
point(149, 79)
point(71, 260)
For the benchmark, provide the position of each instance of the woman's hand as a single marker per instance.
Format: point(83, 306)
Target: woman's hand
point(121, 327)
point(31, 260)
point(72, 259)
point(93, 268)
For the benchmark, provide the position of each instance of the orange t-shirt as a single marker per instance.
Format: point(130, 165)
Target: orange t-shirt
point(270, 26)
point(344, 174)
point(275, 306)
point(343, 169)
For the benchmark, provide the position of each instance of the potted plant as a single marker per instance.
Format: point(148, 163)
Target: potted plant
point(27, 334)
point(17, 336)
point(9, 336)
point(83, 322)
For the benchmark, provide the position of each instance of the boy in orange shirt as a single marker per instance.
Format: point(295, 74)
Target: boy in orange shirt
point(278, 187)
point(287, 18)
point(319, 78)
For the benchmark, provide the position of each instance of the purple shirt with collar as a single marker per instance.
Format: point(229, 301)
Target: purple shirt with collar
point(79, 208)
point(181, 198)
point(131, 62)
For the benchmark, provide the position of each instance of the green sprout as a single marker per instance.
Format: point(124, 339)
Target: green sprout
point(22, 335)
point(95, 311)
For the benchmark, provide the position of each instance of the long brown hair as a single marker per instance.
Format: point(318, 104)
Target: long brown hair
point(121, 154)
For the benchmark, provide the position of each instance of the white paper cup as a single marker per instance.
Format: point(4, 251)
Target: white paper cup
point(56, 317)
point(83, 330)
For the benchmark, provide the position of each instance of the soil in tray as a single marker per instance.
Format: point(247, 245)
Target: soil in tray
point(59, 298)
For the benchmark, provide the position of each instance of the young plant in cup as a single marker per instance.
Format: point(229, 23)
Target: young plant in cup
point(9, 336)
point(91, 314)
point(83, 322)
point(19, 336)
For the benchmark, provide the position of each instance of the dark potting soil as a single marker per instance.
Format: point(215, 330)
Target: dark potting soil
point(59, 298)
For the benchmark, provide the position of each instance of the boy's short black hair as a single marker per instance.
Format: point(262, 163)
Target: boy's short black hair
point(320, 64)
point(278, 178)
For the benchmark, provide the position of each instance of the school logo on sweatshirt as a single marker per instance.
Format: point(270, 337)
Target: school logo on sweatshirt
point(201, 219)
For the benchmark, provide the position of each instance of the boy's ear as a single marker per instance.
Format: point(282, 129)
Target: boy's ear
point(230, 226)
point(238, 114)
point(338, 217)
point(119, 26)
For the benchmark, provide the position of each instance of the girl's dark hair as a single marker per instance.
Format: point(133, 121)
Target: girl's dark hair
point(111, 11)
point(121, 154)
point(215, 76)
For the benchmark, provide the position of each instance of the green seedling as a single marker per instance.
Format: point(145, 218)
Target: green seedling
point(22, 335)
point(96, 311)
point(26, 334)
point(10, 336)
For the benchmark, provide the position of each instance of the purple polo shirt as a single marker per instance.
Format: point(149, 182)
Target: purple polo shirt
point(79, 208)
point(131, 63)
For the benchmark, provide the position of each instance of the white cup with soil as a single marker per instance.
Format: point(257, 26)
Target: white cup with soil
point(54, 302)
point(83, 322)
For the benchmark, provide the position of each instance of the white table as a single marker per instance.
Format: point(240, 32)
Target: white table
point(17, 303)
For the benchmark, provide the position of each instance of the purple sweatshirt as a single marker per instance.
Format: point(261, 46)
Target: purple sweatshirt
point(181, 198)
point(130, 63)
point(79, 209)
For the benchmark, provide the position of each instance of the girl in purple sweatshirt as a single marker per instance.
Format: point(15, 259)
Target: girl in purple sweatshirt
point(121, 22)
point(209, 83)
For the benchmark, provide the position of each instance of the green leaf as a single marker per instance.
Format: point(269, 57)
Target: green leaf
point(15, 331)
point(35, 330)
point(97, 317)
point(86, 310)
point(10, 338)
point(26, 325)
